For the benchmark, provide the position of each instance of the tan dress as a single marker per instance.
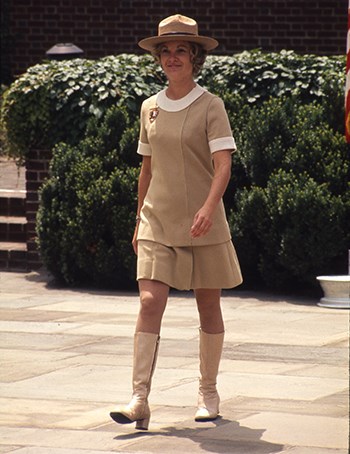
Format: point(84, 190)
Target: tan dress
point(181, 136)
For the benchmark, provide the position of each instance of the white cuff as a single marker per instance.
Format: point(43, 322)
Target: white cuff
point(224, 143)
point(144, 149)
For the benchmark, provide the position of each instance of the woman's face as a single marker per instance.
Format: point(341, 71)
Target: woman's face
point(175, 59)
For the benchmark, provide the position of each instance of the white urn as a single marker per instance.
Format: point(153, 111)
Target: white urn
point(336, 291)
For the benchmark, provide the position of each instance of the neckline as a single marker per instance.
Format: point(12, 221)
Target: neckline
point(175, 105)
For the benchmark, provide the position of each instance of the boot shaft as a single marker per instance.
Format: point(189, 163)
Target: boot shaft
point(145, 357)
point(210, 350)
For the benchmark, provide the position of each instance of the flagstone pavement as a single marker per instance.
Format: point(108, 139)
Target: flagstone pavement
point(66, 358)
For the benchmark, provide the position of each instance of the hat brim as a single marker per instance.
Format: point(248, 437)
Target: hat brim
point(150, 43)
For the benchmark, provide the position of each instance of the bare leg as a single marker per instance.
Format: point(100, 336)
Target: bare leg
point(153, 299)
point(208, 303)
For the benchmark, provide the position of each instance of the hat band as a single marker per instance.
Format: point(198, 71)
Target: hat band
point(178, 33)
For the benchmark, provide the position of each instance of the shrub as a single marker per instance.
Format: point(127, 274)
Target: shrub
point(318, 150)
point(284, 133)
point(258, 76)
point(3, 88)
point(266, 136)
point(53, 101)
point(87, 213)
point(291, 220)
point(304, 231)
point(290, 231)
point(248, 213)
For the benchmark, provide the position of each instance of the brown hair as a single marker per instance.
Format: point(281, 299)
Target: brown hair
point(197, 52)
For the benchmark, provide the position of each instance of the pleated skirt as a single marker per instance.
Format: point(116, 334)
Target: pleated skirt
point(185, 268)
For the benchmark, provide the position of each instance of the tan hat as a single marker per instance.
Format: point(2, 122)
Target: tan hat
point(175, 28)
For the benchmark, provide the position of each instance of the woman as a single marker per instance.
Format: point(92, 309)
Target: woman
point(182, 237)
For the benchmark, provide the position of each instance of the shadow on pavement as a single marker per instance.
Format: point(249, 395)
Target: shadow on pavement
point(227, 437)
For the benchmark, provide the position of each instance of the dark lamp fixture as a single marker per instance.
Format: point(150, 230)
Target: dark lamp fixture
point(64, 51)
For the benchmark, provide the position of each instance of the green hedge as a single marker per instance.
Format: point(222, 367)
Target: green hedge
point(258, 76)
point(54, 101)
point(288, 199)
point(88, 207)
point(290, 231)
point(290, 219)
point(285, 133)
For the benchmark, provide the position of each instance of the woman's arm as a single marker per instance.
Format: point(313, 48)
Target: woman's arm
point(143, 184)
point(202, 221)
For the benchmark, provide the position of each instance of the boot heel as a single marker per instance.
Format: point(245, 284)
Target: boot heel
point(142, 424)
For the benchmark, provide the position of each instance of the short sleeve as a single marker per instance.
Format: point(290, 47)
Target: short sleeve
point(144, 147)
point(218, 127)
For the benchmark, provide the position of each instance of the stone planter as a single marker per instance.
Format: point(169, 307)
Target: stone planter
point(336, 291)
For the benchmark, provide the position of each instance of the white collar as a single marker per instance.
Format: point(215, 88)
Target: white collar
point(176, 105)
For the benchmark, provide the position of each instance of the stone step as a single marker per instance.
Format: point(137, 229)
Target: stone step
point(13, 223)
point(13, 228)
point(13, 256)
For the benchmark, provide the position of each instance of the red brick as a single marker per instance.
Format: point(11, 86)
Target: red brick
point(33, 186)
point(32, 246)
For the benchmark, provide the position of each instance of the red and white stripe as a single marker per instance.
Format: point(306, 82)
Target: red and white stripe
point(347, 86)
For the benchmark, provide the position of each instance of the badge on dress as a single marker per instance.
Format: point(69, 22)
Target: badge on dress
point(153, 114)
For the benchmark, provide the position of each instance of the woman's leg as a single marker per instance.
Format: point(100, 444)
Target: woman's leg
point(153, 300)
point(211, 338)
point(208, 303)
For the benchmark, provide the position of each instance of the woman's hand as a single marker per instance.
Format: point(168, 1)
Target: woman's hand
point(202, 223)
point(134, 238)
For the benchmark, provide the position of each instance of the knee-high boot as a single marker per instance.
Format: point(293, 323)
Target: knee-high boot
point(145, 357)
point(210, 349)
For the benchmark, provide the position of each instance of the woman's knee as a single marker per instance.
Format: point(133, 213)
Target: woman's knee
point(153, 298)
point(150, 306)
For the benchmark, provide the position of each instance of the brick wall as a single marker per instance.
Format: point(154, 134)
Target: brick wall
point(37, 170)
point(105, 27)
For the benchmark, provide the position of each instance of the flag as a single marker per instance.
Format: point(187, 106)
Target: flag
point(347, 86)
